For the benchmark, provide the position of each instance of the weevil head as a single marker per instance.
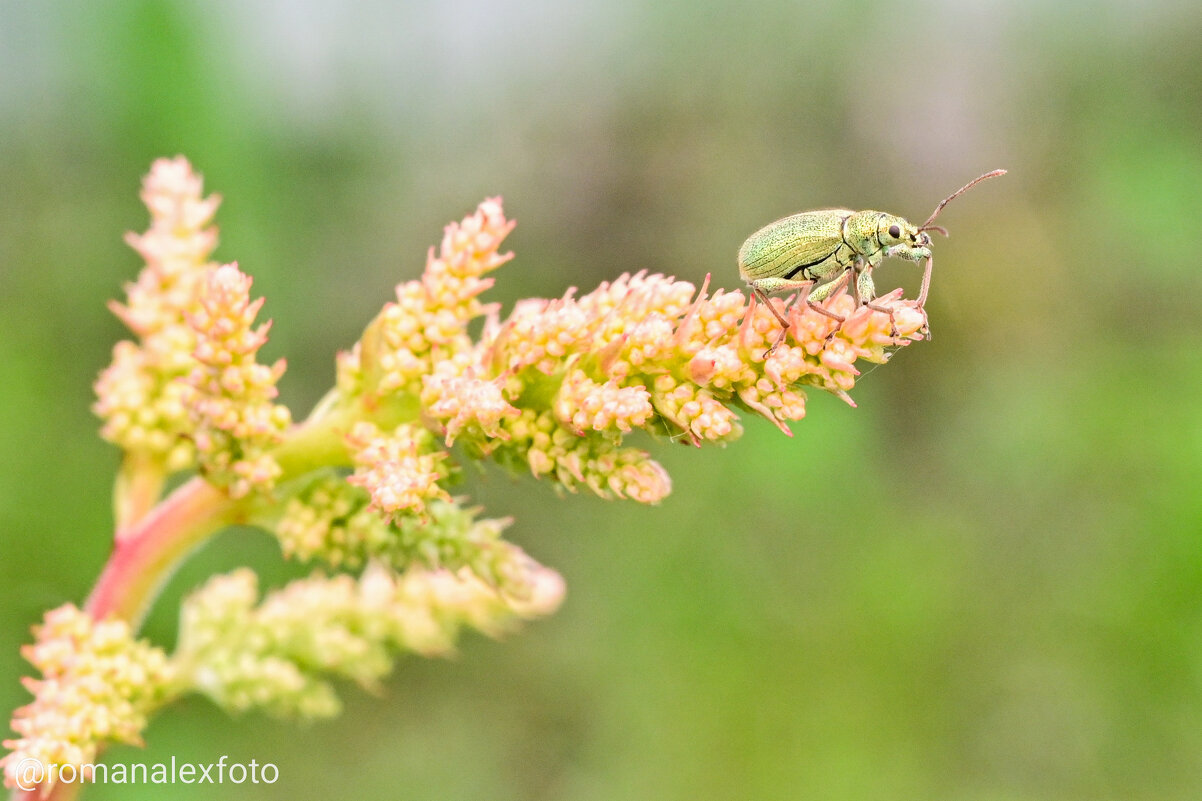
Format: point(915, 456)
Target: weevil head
point(900, 237)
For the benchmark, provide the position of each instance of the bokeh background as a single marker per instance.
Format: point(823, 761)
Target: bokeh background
point(984, 584)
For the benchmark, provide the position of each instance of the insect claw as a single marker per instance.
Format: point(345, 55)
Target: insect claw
point(779, 340)
point(925, 329)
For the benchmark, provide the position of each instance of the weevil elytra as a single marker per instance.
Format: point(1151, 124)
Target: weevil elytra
point(813, 252)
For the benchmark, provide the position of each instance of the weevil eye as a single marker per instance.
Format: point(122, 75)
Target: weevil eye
point(894, 231)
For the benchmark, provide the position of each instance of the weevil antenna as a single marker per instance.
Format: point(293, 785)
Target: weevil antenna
point(926, 226)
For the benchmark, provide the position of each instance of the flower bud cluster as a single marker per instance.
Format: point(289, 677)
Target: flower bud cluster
point(537, 441)
point(428, 322)
point(457, 399)
point(98, 685)
point(236, 422)
point(335, 522)
point(583, 405)
point(140, 395)
point(399, 469)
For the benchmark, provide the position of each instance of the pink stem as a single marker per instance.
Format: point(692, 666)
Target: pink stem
point(148, 553)
point(143, 558)
point(153, 540)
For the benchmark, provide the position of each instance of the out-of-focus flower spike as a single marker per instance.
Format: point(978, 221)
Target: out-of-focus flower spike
point(274, 655)
point(139, 395)
point(99, 685)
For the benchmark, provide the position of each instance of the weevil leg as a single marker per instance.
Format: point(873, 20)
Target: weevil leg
point(825, 291)
point(925, 287)
point(926, 282)
point(892, 323)
point(780, 338)
point(762, 287)
point(784, 323)
point(865, 288)
point(866, 292)
point(824, 311)
point(763, 298)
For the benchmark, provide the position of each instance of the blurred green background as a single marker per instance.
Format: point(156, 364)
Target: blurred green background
point(985, 584)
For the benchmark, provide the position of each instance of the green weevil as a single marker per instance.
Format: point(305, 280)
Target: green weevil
point(814, 252)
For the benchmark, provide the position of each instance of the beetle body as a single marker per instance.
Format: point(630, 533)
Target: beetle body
point(814, 250)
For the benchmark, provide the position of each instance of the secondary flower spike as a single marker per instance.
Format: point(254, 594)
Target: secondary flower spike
point(139, 396)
